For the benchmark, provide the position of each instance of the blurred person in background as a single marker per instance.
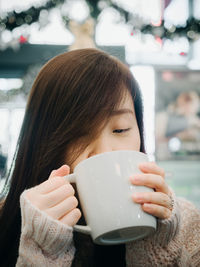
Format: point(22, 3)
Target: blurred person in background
point(180, 120)
point(183, 120)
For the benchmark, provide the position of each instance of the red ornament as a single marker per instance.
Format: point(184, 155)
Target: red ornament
point(182, 54)
point(158, 40)
point(22, 39)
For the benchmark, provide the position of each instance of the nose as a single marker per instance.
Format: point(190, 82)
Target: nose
point(99, 146)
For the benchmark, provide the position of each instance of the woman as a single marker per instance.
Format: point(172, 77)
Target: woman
point(78, 108)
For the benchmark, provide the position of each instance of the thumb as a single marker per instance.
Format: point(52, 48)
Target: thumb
point(62, 171)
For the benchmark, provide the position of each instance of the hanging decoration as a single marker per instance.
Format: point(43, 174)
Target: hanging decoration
point(191, 30)
point(31, 15)
point(83, 34)
point(15, 19)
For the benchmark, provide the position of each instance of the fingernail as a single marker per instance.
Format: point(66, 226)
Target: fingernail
point(137, 196)
point(136, 178)
point(65, 166)
point(144, 165)
point(146, 205)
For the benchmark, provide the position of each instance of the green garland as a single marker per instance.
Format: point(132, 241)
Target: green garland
point(191, 30)
point(31, 15)
point(14, 19)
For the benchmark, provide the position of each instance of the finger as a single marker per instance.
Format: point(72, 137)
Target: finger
point(56, 196)
point(62, 171)
point(157, 198)
point(150, 180)
point(156, 210)
point(72, 217)
point(151, 167)
point(63, 208)
point(50, 185)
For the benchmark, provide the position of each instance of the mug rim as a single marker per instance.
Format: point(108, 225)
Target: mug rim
point(108, 152)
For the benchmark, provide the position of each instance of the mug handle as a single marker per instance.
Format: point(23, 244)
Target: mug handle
point(85, 229)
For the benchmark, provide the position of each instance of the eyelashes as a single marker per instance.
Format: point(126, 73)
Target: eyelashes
point(118, 131)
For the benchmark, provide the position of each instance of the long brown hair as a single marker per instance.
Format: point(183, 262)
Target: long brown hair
point(72, 94)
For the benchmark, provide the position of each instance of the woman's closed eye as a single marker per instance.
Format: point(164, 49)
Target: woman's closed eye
point(118, 131)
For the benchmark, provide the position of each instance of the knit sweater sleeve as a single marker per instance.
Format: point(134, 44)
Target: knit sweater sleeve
point(175, 243)
point(44, 241)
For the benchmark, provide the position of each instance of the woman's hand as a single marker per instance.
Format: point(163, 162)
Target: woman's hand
point(158, 203)
point(56, 197)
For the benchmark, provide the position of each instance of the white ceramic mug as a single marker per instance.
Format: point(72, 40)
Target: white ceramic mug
point(104, 189)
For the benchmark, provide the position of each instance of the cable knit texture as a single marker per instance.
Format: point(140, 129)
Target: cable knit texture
point(44, 241)
point(175, 243)
point(47, 242)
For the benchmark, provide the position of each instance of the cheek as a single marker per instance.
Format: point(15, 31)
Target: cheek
point(130, 142)
point(136, 141)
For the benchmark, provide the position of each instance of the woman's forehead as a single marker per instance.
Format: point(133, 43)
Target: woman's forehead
point(126, 101)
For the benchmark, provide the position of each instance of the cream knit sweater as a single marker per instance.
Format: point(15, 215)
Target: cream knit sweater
point(47, 242)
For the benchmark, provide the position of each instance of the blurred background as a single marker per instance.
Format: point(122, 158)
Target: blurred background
point(158, 39)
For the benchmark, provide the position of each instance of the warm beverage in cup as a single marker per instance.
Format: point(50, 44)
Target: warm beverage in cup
point(104, 189)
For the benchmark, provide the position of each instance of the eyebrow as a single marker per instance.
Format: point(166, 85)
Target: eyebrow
point(122, 111)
